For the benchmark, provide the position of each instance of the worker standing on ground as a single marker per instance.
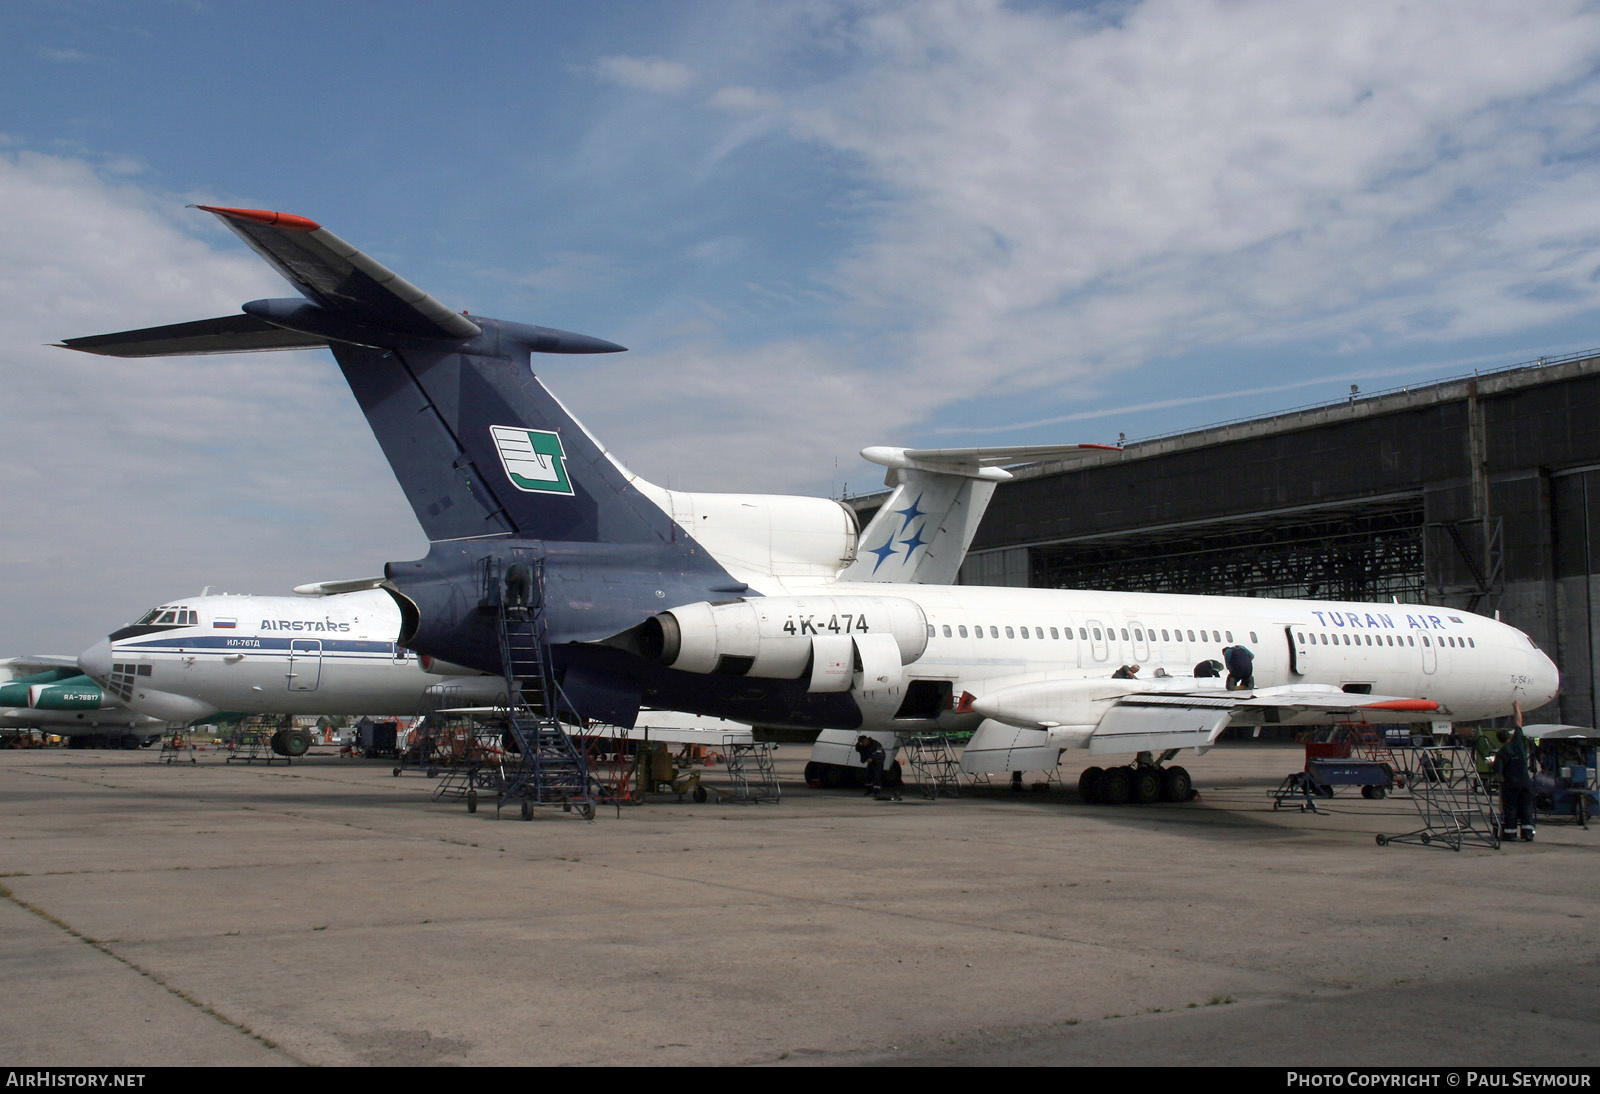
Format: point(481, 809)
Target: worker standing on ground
point(1516, 788)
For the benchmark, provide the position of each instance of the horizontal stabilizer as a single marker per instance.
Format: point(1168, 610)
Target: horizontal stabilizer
point(978, 463)
point(229, 334)
point(337, 277)
point(334, 588)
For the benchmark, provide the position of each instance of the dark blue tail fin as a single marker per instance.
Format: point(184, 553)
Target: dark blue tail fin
point(477, 443)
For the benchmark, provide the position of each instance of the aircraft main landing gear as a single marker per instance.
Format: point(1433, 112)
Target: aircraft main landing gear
point(1142, 783)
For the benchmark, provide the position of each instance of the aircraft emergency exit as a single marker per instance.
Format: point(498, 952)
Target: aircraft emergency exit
point(773, 610)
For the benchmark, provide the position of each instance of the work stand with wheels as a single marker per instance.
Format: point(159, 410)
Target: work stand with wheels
point(934, 765)
point(1452, 801)
point(750, 769)
point(546, 768)
point(177, 747)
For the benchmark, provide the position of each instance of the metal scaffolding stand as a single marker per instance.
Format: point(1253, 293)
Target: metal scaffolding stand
point(548, 769)
point(934, 765)
point(175, 746)
point(251, 740)
point(1451, 799)
point(750, 767)
point(481, 766)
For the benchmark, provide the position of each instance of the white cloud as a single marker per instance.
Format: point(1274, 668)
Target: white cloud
point(1059, 193)
point(143, 479)
point(646, 73)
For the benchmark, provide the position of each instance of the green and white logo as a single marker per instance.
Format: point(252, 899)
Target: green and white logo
point(533, 458)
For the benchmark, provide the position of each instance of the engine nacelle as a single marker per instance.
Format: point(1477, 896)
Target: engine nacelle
point(789, 637)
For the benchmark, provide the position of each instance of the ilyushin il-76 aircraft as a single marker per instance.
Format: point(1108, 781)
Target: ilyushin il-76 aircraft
point(313, 654)
point(779, 611)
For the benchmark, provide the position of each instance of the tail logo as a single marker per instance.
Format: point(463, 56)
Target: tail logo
point(534, 460)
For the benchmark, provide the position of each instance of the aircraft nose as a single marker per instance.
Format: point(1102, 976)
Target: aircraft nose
point(1546, 680)
point(96, 660)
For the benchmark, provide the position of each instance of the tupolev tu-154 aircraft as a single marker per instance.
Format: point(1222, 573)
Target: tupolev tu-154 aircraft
point(778, 611)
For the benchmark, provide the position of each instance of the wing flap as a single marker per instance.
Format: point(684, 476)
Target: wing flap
point(997, 747)
point(1153, 727)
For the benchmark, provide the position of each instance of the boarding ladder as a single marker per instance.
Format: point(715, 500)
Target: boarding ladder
point(549, 769)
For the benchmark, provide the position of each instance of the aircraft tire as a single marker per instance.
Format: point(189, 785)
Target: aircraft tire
point(1144, 785)
point(1090, 783)
point(1116, 786)
point(1176, 785)
point(814, 775)
point(895, 776)
point(292, 743)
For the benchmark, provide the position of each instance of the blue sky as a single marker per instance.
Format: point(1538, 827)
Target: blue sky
point(816, 225)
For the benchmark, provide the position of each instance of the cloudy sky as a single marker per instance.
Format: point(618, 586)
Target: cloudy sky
point(818, 225)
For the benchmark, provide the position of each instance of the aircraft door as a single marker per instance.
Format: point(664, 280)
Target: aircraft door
point(1430, 656)
point(1297, 652)
point(305, 664)
point(1097, 639)
point(1141, 642)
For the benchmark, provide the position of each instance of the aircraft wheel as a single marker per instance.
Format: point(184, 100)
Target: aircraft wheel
point(1145, 785)
point(1116, 786)
point(814, 775)
point(832, 776)
point(292, 743)
point(1176, 786)
point(895, 776)
point(1090, 784)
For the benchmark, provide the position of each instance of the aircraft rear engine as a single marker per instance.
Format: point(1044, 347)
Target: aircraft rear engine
point(787, 637)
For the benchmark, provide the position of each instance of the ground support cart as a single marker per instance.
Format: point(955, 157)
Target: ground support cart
point(1322, 776)
point(1454, 805)
point(1564, 775)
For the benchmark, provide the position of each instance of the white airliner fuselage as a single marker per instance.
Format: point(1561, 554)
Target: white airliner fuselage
point(191, 658)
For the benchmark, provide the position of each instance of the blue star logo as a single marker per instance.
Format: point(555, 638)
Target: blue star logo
point(911, 512)
point(914, 542)
point(882, 552)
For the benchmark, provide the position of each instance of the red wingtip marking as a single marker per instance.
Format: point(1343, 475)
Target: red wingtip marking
point(1403, 704)
point(265, 216)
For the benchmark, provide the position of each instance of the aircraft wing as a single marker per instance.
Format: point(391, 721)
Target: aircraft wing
point(37, 662)
point(1028, 721)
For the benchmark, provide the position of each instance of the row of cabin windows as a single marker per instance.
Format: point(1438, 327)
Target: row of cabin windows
point(1139, 634)
point(1383, 640)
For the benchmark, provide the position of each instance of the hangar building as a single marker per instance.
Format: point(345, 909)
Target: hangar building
point(1481, 493)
